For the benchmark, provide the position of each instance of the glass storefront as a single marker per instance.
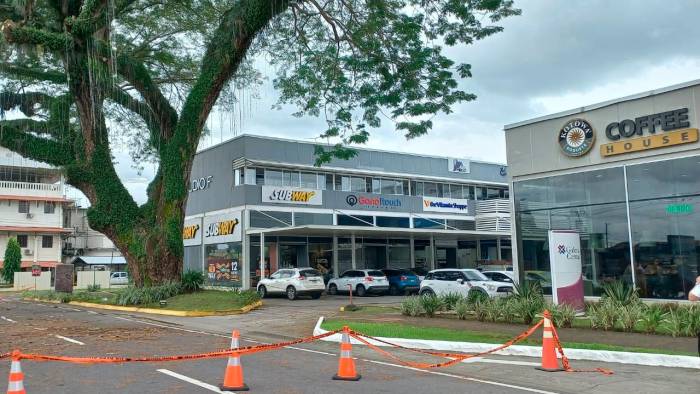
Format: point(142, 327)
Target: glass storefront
point(224, 264)
point(663, 200)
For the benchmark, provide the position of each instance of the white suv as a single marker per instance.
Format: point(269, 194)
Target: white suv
point(293, 282)
point(464, 282)
point(361, 281)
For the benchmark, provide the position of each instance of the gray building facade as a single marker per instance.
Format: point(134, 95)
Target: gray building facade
point(378, 210)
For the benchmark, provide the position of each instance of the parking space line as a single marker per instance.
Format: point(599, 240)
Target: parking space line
point(71, 340)
point(193, 381)
point(7, 319)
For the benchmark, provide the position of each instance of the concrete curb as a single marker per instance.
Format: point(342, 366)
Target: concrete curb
point(657, 360)
point(164, 312)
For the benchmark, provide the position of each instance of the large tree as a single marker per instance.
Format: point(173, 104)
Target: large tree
point(88, 74)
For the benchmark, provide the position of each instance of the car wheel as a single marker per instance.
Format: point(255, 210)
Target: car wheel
point(426, 292)
point(333, 289)
point(477, 294)
point(262, 291)
point(393, 290)
point(316, 296)
point(291, 293)
point(361, 291)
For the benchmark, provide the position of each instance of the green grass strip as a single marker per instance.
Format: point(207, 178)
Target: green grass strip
point(398, 330)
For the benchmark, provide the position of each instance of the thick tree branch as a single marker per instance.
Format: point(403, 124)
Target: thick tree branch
point(26, 102)
point(56, 153)
point(15, 34)
point(33, 73)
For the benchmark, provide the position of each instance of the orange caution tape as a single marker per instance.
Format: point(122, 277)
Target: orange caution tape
point(5, 355)
point(565, 360)
point(456, 358)
point(182, 357)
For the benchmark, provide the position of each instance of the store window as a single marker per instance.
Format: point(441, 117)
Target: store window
point(309, 180)
point(665, 219)
point(591, 203)
point(460, 224)
point(193, 258)
point(306, 218)
point(224, 264)
point(428, 223)
point(399, 251)
point(355, 220)
point(270, 219)
point(392, 221)
point(321, 256)
point(430, 189)
point(422, 256)
point(344, 255)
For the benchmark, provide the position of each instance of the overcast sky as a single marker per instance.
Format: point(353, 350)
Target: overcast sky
point(556, 56)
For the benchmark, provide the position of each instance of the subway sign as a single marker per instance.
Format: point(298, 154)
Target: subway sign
point(291, 195)
point(640, 134)
point(222, 228)
point(190, 232)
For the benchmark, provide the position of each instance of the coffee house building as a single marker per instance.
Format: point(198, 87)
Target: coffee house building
point(258, 204)
point(625, 175)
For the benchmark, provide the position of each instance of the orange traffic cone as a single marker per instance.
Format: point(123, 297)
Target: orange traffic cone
point(233, 378)
point(16, 384)
point(346, 364)
point(549, 351)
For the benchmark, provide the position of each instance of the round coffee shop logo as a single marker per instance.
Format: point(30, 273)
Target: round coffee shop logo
point(576, 138)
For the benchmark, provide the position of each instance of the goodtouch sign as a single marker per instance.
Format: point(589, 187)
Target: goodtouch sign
point(565, 259)
point(447, 205)
point(291, 195)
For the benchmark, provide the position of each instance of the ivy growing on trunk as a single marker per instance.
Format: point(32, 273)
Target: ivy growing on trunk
point(85, 74)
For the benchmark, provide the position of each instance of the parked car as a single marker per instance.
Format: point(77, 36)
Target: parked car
point(464, 282)
point(420, 272)
point(402, 281)
point(361, 281)
point(500, 276)
point(293, 282)
point(119, 278)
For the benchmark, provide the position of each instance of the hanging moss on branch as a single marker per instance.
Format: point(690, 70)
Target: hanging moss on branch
point(87, 73)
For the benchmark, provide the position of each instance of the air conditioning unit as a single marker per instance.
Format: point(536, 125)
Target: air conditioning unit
point(28, 252)
point(30, 215)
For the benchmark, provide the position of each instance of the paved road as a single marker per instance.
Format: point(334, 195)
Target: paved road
point(65, 330)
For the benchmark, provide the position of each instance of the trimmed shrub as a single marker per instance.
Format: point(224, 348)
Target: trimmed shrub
point(462, 309)
point(430, 303)
point(603, 315)
point(629, 316)
point(528, 308)
point(509, 310)
point(677, 321)
point(562, 315)
point(192, 281)
point(147, 295)
point(481, 307)
point(474, 296)
point(652, 317)
point(619, 293)
point(411, 306)
point(450, 300)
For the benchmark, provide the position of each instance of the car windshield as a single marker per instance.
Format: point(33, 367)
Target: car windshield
point(406, 273)
point(309, 272)
point(375, 273)
point(475, 275)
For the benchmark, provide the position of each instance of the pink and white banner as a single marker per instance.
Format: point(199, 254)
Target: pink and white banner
point(565, 264)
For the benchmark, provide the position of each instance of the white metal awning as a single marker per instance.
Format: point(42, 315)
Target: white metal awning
point(329, 231)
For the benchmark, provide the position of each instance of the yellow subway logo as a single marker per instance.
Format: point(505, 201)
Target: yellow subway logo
point(189, 232)
point(225, 227)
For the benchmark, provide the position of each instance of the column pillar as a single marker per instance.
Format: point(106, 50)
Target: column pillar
point(412, 252)
point(432, 251)
point(335, 257)
point(498, 248)
point(262, 255)
point(352, 245)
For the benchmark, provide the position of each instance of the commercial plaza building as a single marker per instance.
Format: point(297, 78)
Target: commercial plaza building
point(625, 175)
point(379, 209)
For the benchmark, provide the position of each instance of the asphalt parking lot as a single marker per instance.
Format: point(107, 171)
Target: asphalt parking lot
point(66, 330)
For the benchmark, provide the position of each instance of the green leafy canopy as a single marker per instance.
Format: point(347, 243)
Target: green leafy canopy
point(89, 75)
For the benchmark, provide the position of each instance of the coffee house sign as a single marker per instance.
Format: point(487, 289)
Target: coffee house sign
point(655, 131)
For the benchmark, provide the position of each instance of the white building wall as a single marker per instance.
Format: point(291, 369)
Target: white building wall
point(10, 215)
point(34, 250)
